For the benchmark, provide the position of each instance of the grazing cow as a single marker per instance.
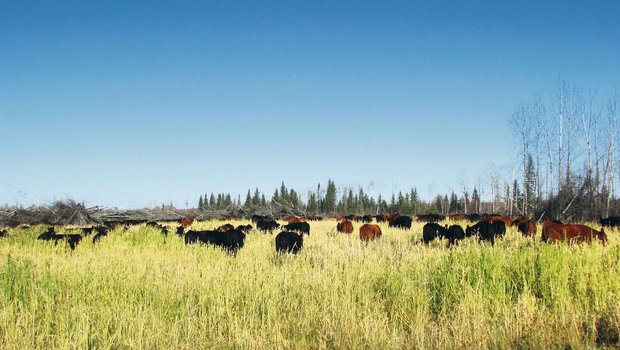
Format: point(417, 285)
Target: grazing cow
point(370, 232)
point(245, 228)
point(612, 221)
point(485, 230)
point(101, 232)
point(226, 227)
point(506, 220)
point(456, 233)
point(430, 217)
point(293, 219)
point(456, 217)
point(345, 226)
point(256, 218)
point(380, 218)
point(267, 225)
point(231, 240)
point(71, 239)
point(572, 233)
point(432, 230)
point(525, 226)
point(474, 217)
point(289, 242)
point(302, 227)
point(179, 231)
point(366, 218)
point(402, 221)
point(186, 222)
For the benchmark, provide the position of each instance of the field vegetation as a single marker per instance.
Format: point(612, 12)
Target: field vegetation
point(140, 290)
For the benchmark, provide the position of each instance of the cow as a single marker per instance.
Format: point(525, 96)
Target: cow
point(506, 220)
point(267, 225)
point(256, 218)
point(231, 240)
point(573, 233)
point(612, 221)
point(370, 232)
point(50, 235)
point(179, 231)
point(455, 234)
point(456, 217)
point(4, 233)
point(101, 232)
point(186, 222)
point(432, 230)
point(302, 227)
point(289, 242)
point(293, 219)
point(402, 221)
point(380, 218)
point(526, 226)
point(430, 217)
point(345, 226)
point(486, 230)
point(245, 228)
point(473, 217)
point(226, 227)
point(367, 218)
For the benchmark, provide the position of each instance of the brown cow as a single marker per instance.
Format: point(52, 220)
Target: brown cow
point(369, 232)
point(457, 217)
point(345, 226)
point(572, 233)
point(225, 228)
point(506, 220)
point(186, 222)
point(526, 226)
point(294, 219)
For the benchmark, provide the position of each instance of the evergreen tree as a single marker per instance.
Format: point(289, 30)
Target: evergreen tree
point(330, 197)
point(248, 199)
point(263, 201)
point(212, 202)
point(256, 197)
point(200, 203)
point(312, 204)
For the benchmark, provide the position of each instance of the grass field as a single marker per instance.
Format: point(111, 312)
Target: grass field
point(139, 290)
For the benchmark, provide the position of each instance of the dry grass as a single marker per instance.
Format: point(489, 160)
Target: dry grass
point(139, 290)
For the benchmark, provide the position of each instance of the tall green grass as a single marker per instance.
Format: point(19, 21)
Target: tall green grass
point(139, 290)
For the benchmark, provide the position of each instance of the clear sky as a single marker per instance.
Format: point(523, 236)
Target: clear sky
point(136, 103)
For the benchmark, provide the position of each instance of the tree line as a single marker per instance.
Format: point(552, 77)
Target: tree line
point(565, 166)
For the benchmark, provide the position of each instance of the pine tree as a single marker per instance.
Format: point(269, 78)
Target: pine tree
point(248, 199)
point(200, 203)
point(256, 197)
point(263, 201)
point(330, 197)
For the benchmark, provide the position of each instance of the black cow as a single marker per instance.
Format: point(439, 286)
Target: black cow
point(379, 218)
point(101, 232)
point(487, 230)
point(432, 230)
point(231, 240)
point(289, 242)
point(612, 221)
point(4, 233)
point(180, 231)
point(302, 227)
point(366, 218)
point(403, 222)
point(245, 228)
point(430, 217)
point(456, 233)
point(256, 218)
point(267, 225)
point(50, 235)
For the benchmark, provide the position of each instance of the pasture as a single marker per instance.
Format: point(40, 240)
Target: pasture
point(140, 290)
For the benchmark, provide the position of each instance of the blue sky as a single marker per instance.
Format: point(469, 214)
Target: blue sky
point(131, 104)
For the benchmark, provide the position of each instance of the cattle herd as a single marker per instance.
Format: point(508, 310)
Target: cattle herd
point(486, 228)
